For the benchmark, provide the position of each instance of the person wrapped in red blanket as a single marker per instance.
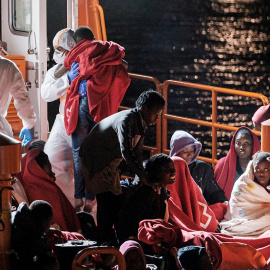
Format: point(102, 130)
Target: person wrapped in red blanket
point(98, 82)
point(187, 199)
point(39, 184)
point(228, 169)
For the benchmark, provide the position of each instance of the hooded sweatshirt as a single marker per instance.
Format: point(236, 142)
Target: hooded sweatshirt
point(201, 172)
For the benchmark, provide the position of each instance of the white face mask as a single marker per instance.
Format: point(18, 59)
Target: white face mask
point(59, 57)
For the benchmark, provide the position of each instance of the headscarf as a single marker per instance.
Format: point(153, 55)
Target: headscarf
point(180, 140)
point(262, 114)
point(130, 245)
point(226, 167)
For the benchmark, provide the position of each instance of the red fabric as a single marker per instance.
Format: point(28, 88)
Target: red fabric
point(39, 185)
point(156, 231)
point(226, 167)
point(219, 209)
point(187, 196)
point(262, 114)
point(100, 64)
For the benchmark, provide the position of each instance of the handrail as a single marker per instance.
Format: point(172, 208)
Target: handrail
point(214, 124)
point(77, 263)
point(102, 22)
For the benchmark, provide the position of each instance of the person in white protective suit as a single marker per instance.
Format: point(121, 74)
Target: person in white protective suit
point(12, 85)
point(59, 147)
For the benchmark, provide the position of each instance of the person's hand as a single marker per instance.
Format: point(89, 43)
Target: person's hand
point(27, 135)
point(73, 73)
point(56, 235)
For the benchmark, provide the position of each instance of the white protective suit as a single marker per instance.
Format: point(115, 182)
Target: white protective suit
point(12, 85)
point(59, 147)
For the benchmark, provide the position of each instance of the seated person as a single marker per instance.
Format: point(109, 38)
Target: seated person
point(187, 203)
point(134, 255)
point(194, 258)
point(244, 144)
point(38, 181)
point(146, 201)
point(249, 206)
point(262, 114)
point(188, 148)
point(29, 227)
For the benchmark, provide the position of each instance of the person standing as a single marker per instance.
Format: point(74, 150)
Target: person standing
point(98, 82)
point(12, 85)
point(114, 142)
point(59, 147)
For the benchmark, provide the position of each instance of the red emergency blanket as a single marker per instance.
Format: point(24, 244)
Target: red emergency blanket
point(226, 166)
point(187, 200)
point(100, 64)
point(38, 185)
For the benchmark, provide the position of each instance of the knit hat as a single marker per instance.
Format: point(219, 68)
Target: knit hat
point(262, 114)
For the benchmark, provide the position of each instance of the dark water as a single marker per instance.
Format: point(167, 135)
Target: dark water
point(222, 43)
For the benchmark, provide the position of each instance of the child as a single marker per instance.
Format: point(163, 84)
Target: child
point(248, 213)
point(228, 169)
point(184, 145)
point(114, 140)
point(98, 82)
point(146, 200)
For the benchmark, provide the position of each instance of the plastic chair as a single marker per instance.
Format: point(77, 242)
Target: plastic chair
point(81, 255)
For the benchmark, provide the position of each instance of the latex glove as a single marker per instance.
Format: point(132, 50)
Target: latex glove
point(83, 88)
point(27, 135)
point(73, 73)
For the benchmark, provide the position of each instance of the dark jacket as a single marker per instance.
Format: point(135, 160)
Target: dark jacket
point(203, 175)
point(120, 135)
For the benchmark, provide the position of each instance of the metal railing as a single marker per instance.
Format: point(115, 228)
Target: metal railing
point(214, 123)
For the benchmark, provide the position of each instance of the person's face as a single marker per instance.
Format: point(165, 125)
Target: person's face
point(167, 174)
point(150, 116)
point(134, 260)
point(243, 146)
point(62, 50)
point(48, 169)
point(262, 173)
point(187, 154)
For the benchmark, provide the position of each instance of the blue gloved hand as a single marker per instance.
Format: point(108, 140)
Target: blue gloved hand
point(83, 88)
point(27, 135)
point(73, 73)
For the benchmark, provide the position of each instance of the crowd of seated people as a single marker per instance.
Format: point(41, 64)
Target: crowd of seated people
point(173, 200)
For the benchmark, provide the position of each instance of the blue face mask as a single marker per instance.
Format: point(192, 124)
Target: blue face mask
point(59, 57)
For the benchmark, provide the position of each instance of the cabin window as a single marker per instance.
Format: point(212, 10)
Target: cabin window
point(21, 15)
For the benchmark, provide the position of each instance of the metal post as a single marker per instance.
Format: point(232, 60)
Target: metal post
point(265, 135)
point(10, 163)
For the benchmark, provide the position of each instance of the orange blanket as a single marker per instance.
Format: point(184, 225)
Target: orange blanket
point(107, 80)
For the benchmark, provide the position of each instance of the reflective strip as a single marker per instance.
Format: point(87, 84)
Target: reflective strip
point(58, 40)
